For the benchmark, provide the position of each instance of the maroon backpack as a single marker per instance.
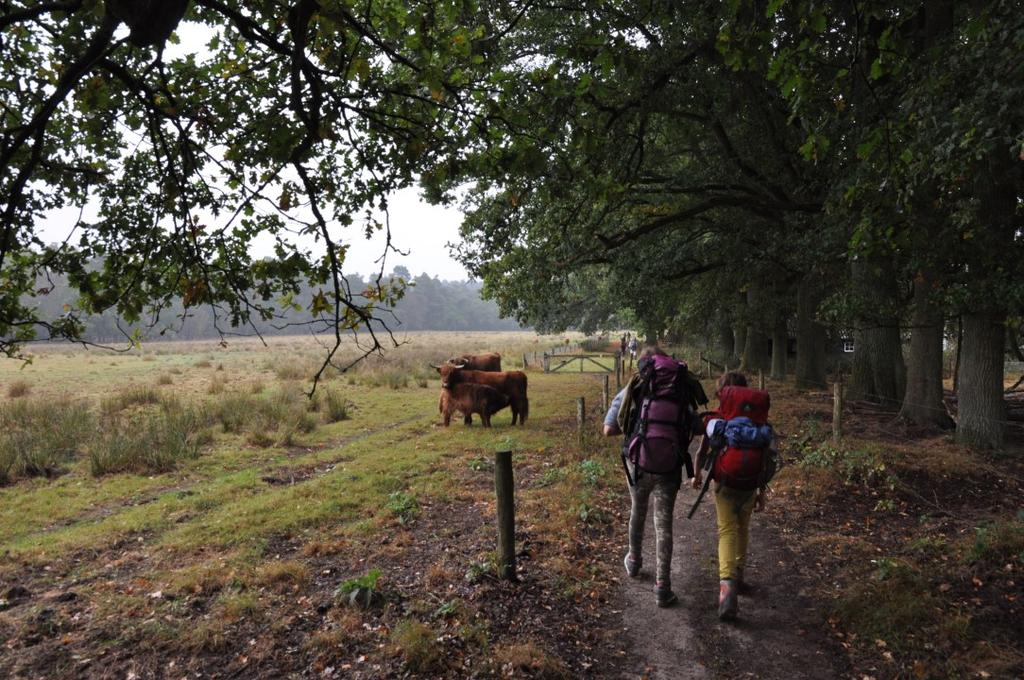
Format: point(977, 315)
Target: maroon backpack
point(659, 440)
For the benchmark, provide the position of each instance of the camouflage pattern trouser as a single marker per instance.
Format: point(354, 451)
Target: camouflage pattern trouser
point(664, 488)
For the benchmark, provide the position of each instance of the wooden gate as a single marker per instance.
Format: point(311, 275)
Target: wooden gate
point(600, 363)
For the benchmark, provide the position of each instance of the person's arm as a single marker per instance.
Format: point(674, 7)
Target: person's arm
point(698, 466)
point(611, 424)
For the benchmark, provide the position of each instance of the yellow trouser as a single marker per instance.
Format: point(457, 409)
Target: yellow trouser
point(733, 507)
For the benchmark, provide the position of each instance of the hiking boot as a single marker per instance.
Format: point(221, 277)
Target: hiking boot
point(742, 587)
point(663, 592)
point(632, 565)
point(728, 603)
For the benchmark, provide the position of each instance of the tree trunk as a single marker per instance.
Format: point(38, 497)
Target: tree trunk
point(780, 347)
point(810, 336)
point(739, 329)
point(922, 401)
point(756, 350)
point(739, 342)
point(723, 336)
point(982, 409)
point(956, 362)
point(879, 373)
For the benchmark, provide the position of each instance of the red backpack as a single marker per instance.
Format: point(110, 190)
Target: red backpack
point(741, 467)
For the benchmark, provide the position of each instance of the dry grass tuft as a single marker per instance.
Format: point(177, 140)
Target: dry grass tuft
point(208, 636)
point(318, 548)
point(18, 388)
point(417, 644)
point(438, 575)
point(335, 406)
point(37, 438)
point(237, 606)
point(531, 659)
point(151, 444)
point(327, 642)
point(136, 395)
point(284, 575)
point(217, 385)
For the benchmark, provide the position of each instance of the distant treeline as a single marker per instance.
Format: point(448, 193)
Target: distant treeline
point(429, 304)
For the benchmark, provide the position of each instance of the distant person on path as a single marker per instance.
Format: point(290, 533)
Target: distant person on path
point(623, 343)
point(741, 471)
point(633, 345)
point(654, 459)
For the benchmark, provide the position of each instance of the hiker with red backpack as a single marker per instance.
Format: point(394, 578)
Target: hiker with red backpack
point(656, 412)
point(736, 452)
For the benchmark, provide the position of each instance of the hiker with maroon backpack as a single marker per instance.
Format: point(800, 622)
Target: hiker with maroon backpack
point(657, 413)
point(736, 452)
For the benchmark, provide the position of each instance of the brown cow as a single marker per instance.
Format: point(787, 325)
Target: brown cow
point(479, 362)
point(470, 398)
point(510, 383)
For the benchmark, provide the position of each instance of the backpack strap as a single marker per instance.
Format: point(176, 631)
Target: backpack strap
point(635, 425)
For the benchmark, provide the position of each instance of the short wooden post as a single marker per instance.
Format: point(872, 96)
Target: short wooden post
point(581, 415)
point(760, 380)
point(837, 410)
point(618, 372)
point(504, 489)
point(604, 393)
point(547, 362)
point(709, 368)
point(525, 365)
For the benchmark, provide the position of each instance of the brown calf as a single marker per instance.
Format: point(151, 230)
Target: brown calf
point(478, 362)
point(470, 398)
point(510, 383)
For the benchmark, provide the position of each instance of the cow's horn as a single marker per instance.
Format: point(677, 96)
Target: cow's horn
point(435, 367)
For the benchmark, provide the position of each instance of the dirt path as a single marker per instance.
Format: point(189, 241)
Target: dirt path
point(778, 633)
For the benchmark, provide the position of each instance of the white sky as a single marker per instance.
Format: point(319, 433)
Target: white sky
point(421, 229)
point(417, 228)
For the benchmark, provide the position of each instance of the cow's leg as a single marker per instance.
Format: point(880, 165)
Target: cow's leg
point(468, 420)
point(485, 419)
point(447, 418)
point(515, 412)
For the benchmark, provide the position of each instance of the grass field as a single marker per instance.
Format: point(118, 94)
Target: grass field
point(193, 499)
point(186, 511)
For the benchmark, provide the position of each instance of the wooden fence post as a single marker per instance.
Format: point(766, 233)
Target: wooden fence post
point(760, 379)
point(604, 393)
point(581, 415)
point(618, 372)
point(837, 410)
point(524, 361)
point(547, 362)
point(504, 489)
